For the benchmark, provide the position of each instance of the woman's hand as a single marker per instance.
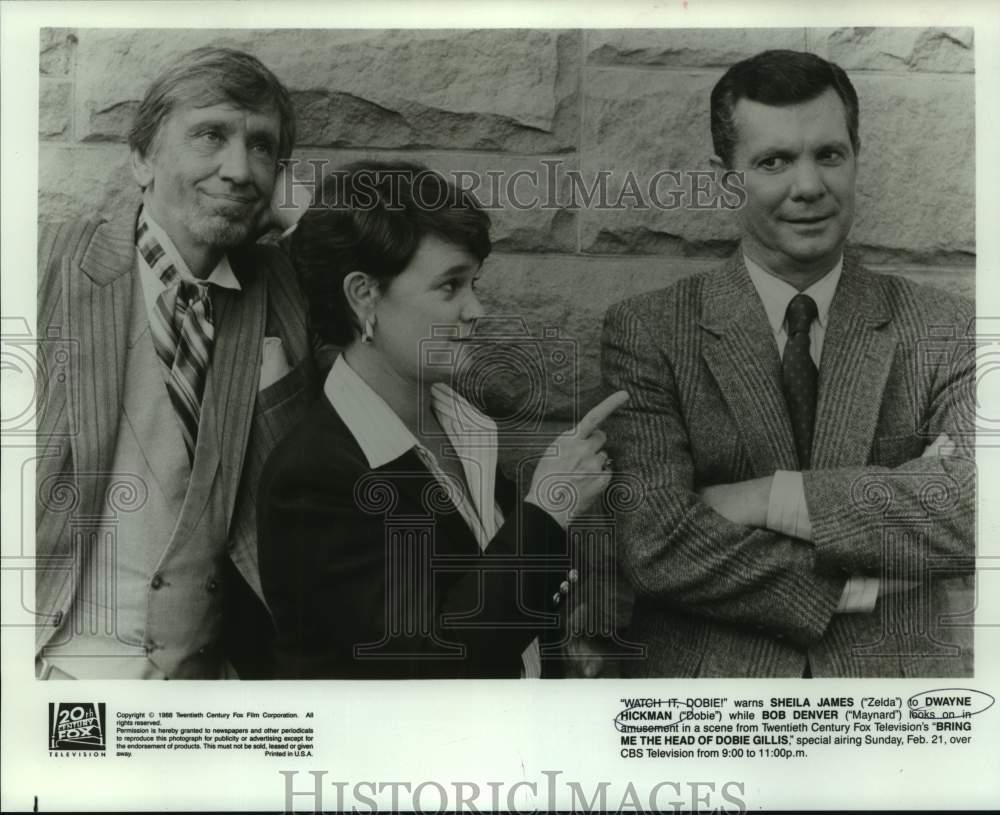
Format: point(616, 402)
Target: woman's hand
point(575, 470)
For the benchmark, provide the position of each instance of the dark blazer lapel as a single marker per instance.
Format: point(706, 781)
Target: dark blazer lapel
point(741, 353)
point(506, 493)
point(97, 314)
point(235, 371)
point(858, 351)
point(422, 497)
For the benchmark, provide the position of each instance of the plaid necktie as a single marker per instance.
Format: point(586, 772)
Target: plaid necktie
point(182, 331)
point(799, 375)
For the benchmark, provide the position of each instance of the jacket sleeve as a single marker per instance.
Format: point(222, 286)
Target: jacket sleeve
point(53, 465)
point(857, 511)
point(326, 575)
point(56, 241)
point(676, 549)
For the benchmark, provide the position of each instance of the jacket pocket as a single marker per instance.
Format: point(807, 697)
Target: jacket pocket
point(288, 387)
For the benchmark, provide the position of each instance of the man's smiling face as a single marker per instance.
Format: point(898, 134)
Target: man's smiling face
point(210, 173)
point(799, 172)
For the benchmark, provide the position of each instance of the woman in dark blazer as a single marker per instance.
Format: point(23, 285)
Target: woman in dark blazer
point(390, 545)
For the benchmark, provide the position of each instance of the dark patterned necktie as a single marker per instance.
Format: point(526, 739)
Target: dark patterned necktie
point(182, 331)
point(799, 375)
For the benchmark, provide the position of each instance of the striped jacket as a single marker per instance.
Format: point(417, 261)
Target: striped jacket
point(86, 271)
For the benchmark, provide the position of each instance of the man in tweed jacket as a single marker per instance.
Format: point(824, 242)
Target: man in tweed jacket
point(146, 550)
point(775, 542)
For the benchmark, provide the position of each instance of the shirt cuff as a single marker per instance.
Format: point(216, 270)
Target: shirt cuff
point(787, 511)
point(859, 596)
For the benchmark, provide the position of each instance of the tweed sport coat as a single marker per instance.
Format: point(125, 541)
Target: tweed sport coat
point(86, 273)
point(714, 598)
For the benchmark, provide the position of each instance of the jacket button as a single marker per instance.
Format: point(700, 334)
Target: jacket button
point(212, 586)
point(156, 582)
point(58, 620)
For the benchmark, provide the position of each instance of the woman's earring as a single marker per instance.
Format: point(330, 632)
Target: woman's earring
point(368, 332)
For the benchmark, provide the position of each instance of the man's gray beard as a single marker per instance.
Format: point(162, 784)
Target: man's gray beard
point(219, 231)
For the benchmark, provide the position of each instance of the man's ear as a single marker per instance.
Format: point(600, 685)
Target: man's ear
point(717, 164)
point(142, 169)
point(362, 294)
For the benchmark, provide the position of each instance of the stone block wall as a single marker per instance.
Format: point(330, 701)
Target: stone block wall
point(504, 101)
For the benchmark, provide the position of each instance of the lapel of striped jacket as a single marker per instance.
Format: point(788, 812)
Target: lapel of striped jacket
point(98, 285)
point(742, 355)
point(858, 351)
point(286, 312)
point(235, 370)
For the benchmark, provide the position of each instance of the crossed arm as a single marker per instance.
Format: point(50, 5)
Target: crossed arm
point(827, 507)
point(778, 502)
point(675, 547)
point(710, 552)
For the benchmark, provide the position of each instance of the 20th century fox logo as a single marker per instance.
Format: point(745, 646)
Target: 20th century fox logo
point(76, 728)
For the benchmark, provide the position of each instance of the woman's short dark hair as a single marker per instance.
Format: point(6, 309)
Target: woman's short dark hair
point(777, 78)
point(370, 216)
point(211, 76)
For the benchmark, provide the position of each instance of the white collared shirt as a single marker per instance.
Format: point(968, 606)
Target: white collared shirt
point(383, 437)
point(222, 275)
point(274, 362)
point(787, 511)
point(776, 294)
